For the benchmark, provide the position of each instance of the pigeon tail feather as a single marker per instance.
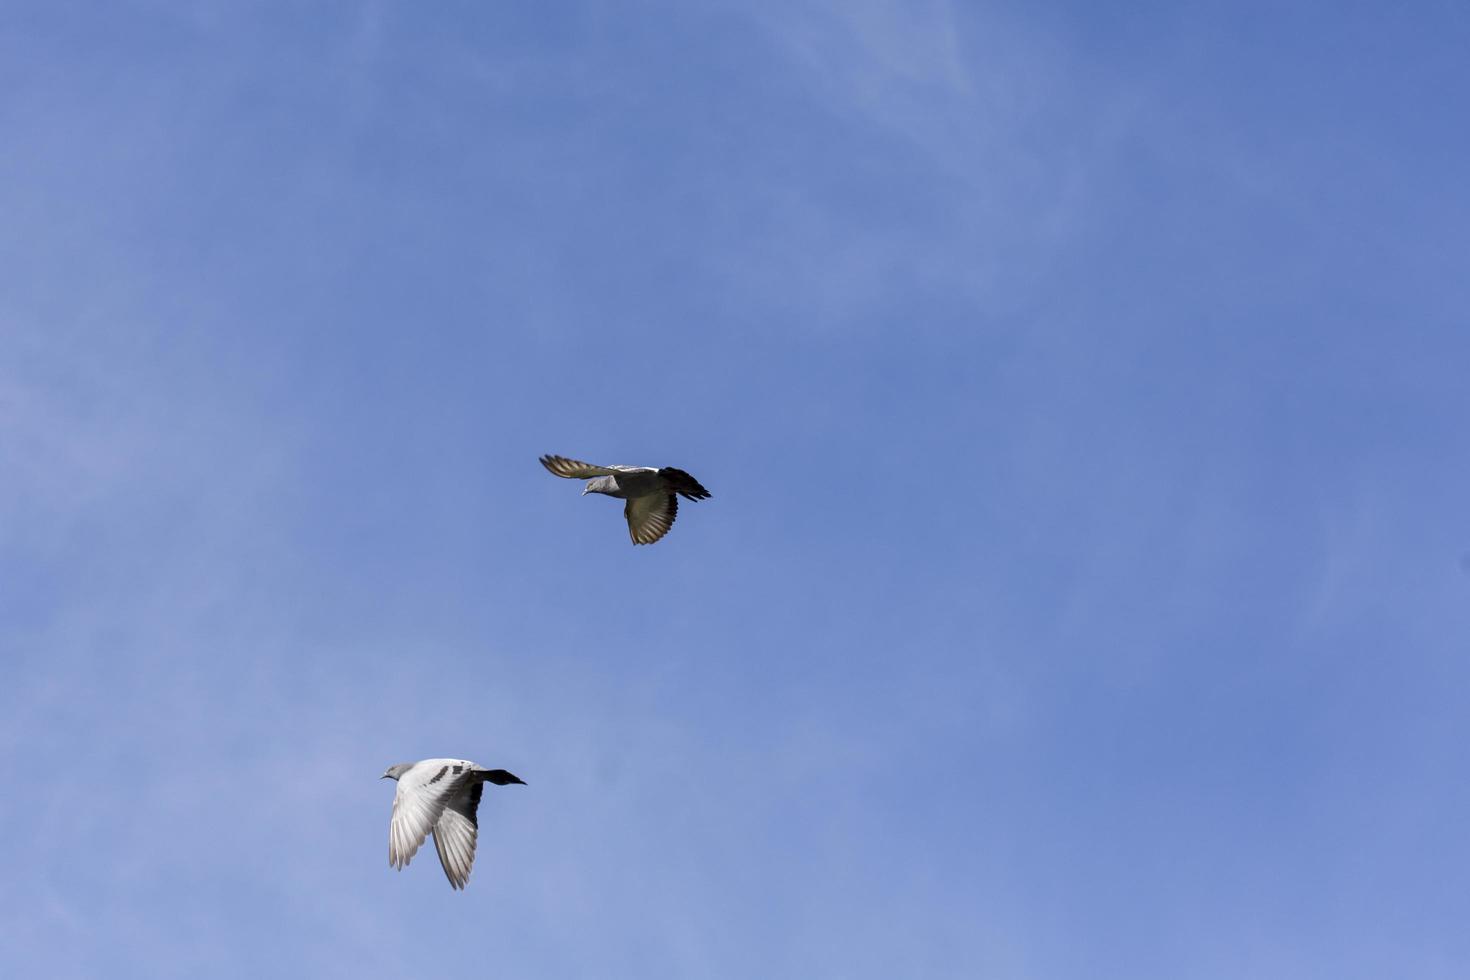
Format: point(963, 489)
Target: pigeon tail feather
point(683, 484)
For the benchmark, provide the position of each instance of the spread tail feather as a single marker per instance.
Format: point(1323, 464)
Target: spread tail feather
point(683, 484)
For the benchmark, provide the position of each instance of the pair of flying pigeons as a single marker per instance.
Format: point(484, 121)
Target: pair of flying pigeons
point(442, 796)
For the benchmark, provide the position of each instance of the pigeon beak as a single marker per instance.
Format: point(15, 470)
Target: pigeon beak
point(585, 491)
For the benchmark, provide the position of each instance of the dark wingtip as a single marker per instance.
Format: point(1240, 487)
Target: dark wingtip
point(502, 778)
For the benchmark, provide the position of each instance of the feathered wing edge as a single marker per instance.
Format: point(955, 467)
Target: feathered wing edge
point(415, 813)
point(457, 833)
point(650, 517)
point(574, 469)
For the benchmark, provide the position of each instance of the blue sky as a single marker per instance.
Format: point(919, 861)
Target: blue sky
point(1086, 587)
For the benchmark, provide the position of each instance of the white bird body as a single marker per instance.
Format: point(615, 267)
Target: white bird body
point(439, 797)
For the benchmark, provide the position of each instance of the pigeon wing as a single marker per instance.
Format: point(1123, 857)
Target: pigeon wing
point(574, 469)
point(422, 794)
point(651, 516)
point(456, 833)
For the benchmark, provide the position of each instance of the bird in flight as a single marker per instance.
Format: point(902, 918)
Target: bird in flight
point(439, 796)
point(652, 494)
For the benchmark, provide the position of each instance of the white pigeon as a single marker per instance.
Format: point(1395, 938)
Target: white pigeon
point(652, 494)
point(439, 796)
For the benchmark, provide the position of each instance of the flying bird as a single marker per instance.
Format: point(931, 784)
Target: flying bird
point(439, 796)
point(652, 494)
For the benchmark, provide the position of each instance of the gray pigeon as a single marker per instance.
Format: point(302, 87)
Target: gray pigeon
point(439, 796)
point(652, 495)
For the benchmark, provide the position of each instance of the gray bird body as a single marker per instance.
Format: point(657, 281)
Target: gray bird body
point(439, 797)
point(652, 494)
point(628, 482)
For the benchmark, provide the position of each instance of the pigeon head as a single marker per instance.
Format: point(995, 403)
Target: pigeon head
point(602, 484)
point(394, 771)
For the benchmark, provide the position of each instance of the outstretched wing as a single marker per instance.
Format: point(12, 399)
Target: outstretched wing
point(422, 794)
point(574, 469)
point(456, 833)
point(650, 516)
